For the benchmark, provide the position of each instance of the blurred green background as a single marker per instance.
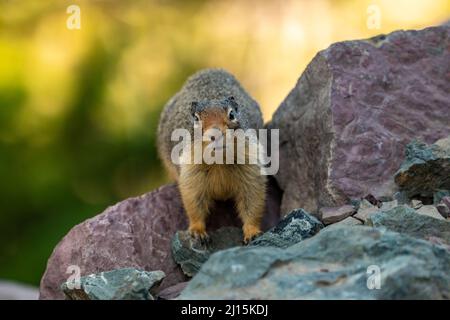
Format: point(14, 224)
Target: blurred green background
point(79, 108)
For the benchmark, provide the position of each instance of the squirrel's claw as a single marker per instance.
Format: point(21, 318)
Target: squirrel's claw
point(251, 231)
point(247, 240)
point(201, 237)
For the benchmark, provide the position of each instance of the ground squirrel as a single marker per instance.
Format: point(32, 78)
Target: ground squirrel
point(214, 99)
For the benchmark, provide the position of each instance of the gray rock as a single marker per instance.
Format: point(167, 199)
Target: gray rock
point(190, 254)
point(352, 112)
point(10, 290)
point(426, 169)
point(338, 263)
point(389, 205)
point(366, 209)
point(416, 204)
point(407, 221)
point(121, 284)
point(430, 211)
point(402, 198)
point(350, 221)
point(293, 228)
point(335, 214)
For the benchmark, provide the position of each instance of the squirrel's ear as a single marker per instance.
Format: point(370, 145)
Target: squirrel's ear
point(194, 105)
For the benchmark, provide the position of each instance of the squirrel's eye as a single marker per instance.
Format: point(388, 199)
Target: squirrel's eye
point(196, 119)
point(231, 115)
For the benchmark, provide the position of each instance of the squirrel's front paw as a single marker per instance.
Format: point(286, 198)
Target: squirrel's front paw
point(250, 233)
point(200, 235)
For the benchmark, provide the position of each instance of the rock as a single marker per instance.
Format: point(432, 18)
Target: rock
point(446, 201)
point(426, 168)
point(172, 292)
point(121, 284)
point(386, 199)
point(407, 221)
point(352, 112)
point(373, 201)
point(439, 195)
point(349, 221)
point(340, 262)
point(190, 254)
point(443, 210)
point(293, 228)
point(137, 233)
point(336, 214)
point(416, 204)
point(365, 211)
point(402, 198)
point(16, 291)
point(444, 207)
point(430, 211)
point(389, 205)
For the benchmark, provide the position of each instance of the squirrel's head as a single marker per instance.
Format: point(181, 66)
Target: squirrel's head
point(215, 117)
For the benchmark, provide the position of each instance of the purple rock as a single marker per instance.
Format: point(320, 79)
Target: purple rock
point(345, 125)
point(446, 201)
point(172, 292)
point(335, 214)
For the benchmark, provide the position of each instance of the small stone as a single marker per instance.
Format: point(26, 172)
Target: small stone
point(172, 292)
point(293, 228)
point(366, 209)
point(443, 210)
point(446, 201)
point(120, 284)
point(190, 254)
point(349, 221)
point(416, 204)
point(439, 195)
point(355, 203)
point(408, 221)
point(372, 200)
point(401, 197)
point(430, 211)
point(389, 205)
point(331, 215)
point(426, 169)
point(386, 198)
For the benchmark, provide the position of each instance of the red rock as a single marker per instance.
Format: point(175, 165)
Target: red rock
point(345, 125)
point(172, 292)
point(446, 201)
point(336, 214)
point(137, 233)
